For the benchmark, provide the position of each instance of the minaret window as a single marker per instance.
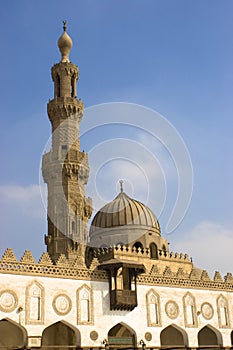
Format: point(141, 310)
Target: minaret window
point(73, 86)
point(63, 151)
point(57, 86)
point(73, 227)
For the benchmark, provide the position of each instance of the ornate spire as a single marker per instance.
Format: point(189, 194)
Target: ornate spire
point(65, 44)
point(121, 185)
point(64, 26)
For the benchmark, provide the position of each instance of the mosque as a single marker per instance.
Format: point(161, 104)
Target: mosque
point(116, 285)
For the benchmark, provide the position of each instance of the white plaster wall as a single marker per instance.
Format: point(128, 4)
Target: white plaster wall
point(104, 319)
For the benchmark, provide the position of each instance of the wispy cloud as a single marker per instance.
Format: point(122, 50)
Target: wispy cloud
point(210, 244)
point(23, 219)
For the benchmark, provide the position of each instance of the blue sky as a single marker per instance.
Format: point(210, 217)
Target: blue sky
point(175, 57)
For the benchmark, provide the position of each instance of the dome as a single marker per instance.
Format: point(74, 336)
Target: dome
point(65, 44)
point(122, 221)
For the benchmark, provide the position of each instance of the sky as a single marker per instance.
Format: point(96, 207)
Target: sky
point(171, 57)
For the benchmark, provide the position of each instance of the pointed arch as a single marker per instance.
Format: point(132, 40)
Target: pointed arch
point(85, 305)
point(190, 312)
point(13, 335)
point(34, 303)
point(223, 312)
point(153, 251)
point(173, 336)
point(122, 335)
point(60, 335)
point(209, 335)
point(153, 308)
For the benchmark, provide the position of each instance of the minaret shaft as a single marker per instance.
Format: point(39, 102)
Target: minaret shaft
point(65, 168)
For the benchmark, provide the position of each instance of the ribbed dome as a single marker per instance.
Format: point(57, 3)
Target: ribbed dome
point(121, 215)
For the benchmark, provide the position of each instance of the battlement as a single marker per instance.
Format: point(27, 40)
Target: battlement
point(75, 268)
point(128, 251)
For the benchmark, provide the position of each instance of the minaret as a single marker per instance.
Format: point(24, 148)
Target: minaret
point(65, 169)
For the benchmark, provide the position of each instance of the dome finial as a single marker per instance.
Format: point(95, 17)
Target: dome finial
point(121, 185)
point(64, 26)
point(65, 44)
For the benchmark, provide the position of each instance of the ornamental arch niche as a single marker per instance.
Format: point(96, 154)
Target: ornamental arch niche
point(173, 336)
point(85, 305)
point(153, 309)
point(34, 303)
point(223, 313)
point(59, 336)
point(209, 335)
point(121, 336)
point(12, 335)
point(190, 312)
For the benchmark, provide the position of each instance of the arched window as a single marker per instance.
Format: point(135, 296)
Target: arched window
point(57, 86)
point(73, 227)
point(190, 313)
point(222, 307)
point(138, 245)
point(153, 251)
point(153, 309)
point(34, 303)
point(85, 305)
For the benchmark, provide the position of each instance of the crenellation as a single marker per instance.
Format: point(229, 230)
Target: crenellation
point(9, 256)
point(218, 277)
point(205, 276)
point(27, 257)
point(228, 278)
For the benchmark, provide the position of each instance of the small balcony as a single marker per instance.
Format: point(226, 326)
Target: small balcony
point(123, 299)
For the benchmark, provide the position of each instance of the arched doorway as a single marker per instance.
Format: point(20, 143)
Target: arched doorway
point(12, 335)
point(121, 336)
point(208, 335)
point(232, 338)
point(173, 336)
point(60, 335)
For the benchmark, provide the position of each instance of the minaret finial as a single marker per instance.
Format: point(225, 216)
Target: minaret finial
point(64, 44)
point(121, 185)
point(64, 26)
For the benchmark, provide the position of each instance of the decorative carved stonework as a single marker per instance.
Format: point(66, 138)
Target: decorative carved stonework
point(62, 304)
point(8, 300)
point(172, 309)
point(94, 335)
point(207, 311)
point(148, 336)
